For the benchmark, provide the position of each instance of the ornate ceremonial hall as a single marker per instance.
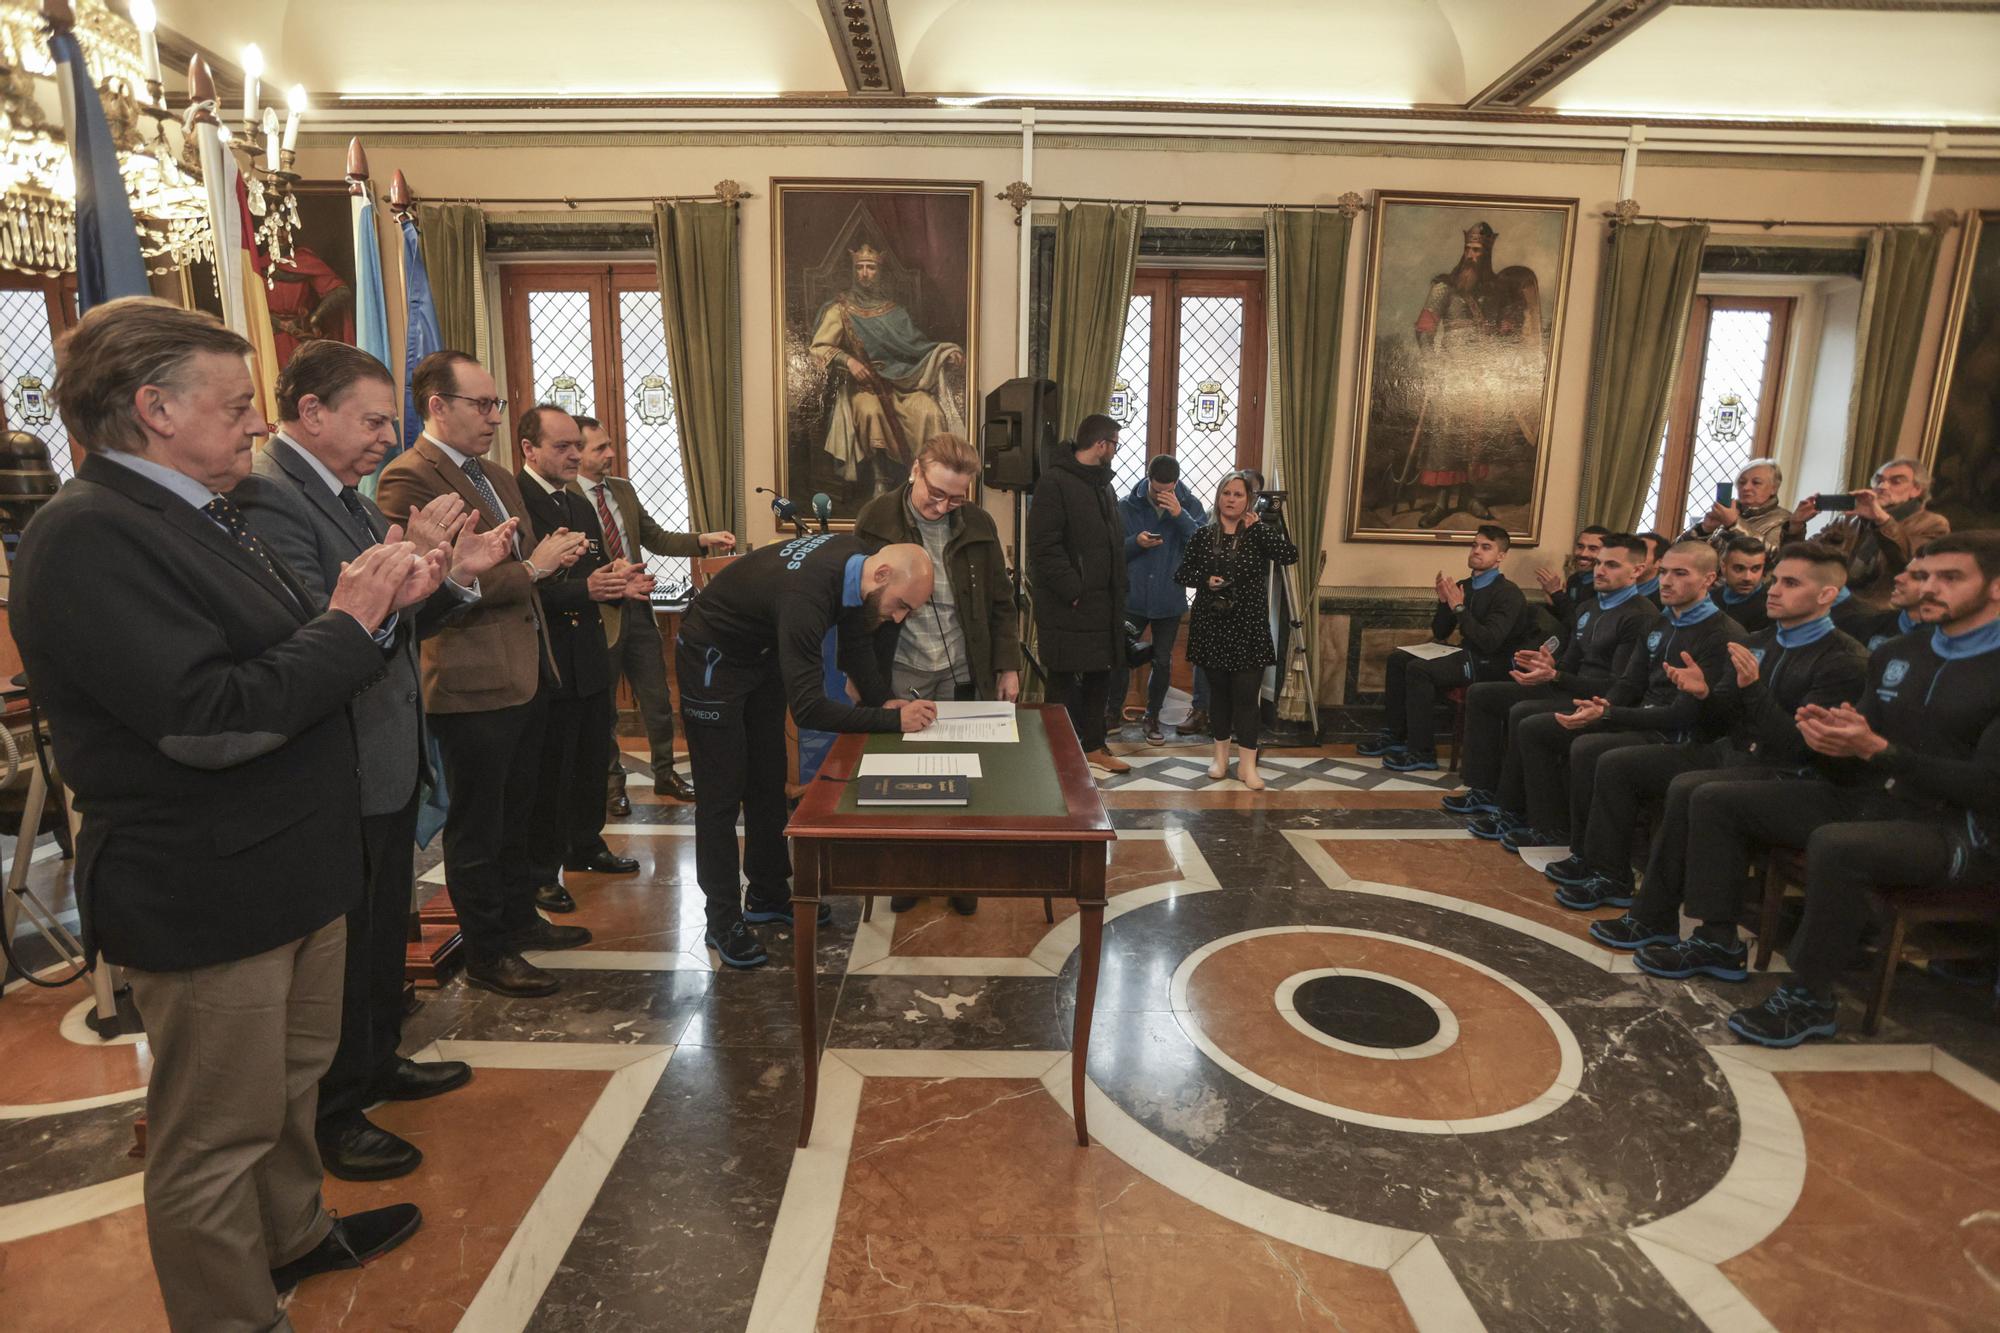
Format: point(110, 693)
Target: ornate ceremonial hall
point(1327, 1032)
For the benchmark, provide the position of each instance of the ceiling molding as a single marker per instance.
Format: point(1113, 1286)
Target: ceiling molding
point(864, 44)
point(1568, 49)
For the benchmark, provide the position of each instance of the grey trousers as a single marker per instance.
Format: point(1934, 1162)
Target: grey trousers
point(232, 1168)
point(640, 657)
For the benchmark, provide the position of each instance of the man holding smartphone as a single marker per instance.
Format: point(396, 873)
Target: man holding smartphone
point(1884, 527)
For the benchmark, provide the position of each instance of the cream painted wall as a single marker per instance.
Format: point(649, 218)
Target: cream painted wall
point(472, 165)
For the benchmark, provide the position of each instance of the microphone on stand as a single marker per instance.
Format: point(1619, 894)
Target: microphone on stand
point(785, 508)
point(822, 508)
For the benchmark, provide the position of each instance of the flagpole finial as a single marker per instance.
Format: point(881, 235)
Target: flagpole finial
point(401, 201)
point(60, 14)
point(357, 168)
point(201, 90)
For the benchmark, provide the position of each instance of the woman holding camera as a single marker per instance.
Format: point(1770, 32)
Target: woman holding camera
point(1228, 564)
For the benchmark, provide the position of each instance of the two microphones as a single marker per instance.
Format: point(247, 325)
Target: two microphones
point(787, 509)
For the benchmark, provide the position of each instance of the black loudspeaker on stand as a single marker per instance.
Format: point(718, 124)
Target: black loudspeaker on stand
point(1018, 435)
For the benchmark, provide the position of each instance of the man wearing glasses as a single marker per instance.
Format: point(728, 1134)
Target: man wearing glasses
point(486, 681)
point(966, 643)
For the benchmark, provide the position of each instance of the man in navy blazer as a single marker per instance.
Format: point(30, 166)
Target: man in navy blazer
point(198, 700)
point(337, 418)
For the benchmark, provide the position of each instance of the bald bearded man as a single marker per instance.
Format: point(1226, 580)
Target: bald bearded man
point(749, 646)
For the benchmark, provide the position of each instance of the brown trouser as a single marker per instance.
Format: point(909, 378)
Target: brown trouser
point(232, 1169)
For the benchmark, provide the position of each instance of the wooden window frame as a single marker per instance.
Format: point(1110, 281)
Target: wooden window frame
point(1166, 286)
point(1686, 398)
point(60, 294)
point(603, 282)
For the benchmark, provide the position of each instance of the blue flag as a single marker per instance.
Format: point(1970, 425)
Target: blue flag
point(108, 263)
point(371, 305)
point(424, 337)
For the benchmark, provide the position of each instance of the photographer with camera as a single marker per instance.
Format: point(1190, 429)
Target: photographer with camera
point(1885, 527)
point(1228, 564)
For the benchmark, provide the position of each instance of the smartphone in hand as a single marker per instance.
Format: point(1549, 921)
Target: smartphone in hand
point(1830, 503)
point(1725, 492)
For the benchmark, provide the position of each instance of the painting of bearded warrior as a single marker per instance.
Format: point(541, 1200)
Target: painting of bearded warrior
point(1465, 311)
point(876, 289)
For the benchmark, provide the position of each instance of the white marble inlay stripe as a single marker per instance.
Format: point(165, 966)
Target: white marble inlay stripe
point(33, 1217)
point(1715, 1300)
point(1569, 1074)
point(1430, 1291)
point(29, 1110)
point(508, 1296)
point(620, 960)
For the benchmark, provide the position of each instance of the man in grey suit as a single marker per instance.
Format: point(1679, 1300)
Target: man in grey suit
point(634, 640)
point(337, 413)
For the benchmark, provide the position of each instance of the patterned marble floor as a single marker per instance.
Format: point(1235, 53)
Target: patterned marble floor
point(1350, 1070)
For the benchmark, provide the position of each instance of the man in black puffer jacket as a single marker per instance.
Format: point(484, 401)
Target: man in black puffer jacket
point(1076, 566)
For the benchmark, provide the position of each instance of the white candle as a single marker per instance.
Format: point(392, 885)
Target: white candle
point(270, 139)
point(253, 70)
point(296, 101)
point(146, 18)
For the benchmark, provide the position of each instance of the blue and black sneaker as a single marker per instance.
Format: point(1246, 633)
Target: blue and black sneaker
point(1525, 835)
point(1478, 801)
point(1593, 893)
point(737, 946)
point(1377, 745)
point(1401, 760)
point(1629, 932)
point(1789, 1017)
point(1695, 957)
point(781, 915)
point(1493, 827)
point(1572, 869)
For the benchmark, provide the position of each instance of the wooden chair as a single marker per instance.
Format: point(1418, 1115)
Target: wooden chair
point(1903, 908)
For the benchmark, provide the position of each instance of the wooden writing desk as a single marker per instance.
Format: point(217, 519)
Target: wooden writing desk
point(1034, 828)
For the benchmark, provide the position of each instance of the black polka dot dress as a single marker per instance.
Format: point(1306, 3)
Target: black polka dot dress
point(1230, 629)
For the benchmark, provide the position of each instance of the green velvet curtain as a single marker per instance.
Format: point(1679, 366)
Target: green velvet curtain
point(454, 244)
point(695, 246)
point(1306, 272)
point(1895, 292)
point(1097, 247)
point(1644, 299)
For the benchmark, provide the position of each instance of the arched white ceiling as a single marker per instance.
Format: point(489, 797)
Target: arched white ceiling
point(1349, 51)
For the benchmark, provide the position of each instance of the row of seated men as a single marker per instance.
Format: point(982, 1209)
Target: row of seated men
point(1742, 710)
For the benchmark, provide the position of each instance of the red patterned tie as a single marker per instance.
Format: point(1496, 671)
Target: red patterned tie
point(614, 546)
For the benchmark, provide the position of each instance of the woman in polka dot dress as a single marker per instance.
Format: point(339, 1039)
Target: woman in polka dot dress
point(1228, 564)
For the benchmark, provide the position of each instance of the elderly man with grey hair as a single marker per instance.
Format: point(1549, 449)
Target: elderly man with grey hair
point(1887, 527)
point(1753, 510)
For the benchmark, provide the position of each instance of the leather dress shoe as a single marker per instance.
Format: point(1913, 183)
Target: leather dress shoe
point(674, 785)
point(412, 1081)
point(510, 974)
point(350, 1148)
point(619, 804)
point(546, 935)
point(554, 898)
point(352, 1242)
point(605, 862)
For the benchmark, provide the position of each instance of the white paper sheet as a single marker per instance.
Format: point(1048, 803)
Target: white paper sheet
point(931, 764)
point(970, 731)
point(1428, 651)
point(955, 709)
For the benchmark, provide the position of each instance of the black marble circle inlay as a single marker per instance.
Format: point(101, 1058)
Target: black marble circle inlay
point(1365, 1012)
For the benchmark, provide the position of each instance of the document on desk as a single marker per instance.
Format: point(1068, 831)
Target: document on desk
point(929, 764)
point(971, 722)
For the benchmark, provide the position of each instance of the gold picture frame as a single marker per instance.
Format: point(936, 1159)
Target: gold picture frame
point(1961, 438)
point(883, 276)
point(1454, 403)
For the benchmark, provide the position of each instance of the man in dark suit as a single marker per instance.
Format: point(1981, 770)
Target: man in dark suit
point(337, 418)
point(198, 699)
point(484, 681)
point(576, 745)
point(636, 650)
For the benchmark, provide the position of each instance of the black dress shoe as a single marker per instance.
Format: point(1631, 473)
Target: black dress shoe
point(545, 935)
point(350, 1148)
point(510, 974)
point(412, 1081)
point(554, 898)
point(619, 804)
point(674, 785)
point(964, 904)
point(605, 862)
point(903, 902)
point(352, 1242)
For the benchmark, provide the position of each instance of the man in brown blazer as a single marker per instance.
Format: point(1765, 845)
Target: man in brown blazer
point(483, 681)
point(636, 649)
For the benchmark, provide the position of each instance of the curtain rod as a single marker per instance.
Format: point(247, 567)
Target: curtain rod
point(1944, 219)
point(725, 192)
point(1176, 205)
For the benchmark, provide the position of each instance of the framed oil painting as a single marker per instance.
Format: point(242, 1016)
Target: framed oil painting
point(876, 287)
point(1463, 318)
point(1962, 434)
